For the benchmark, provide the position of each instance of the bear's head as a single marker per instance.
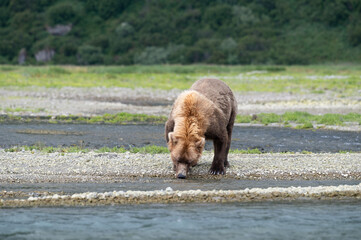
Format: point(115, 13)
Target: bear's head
point(185, 153)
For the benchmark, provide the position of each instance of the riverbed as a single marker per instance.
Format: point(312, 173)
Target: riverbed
point(266, 139)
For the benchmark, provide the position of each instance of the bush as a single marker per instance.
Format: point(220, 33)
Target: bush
point(63, 13)
point(124, 29)
point(101, 41)
point(65, 48)
point(15, 40)
point(158, 55)
point(335, 13)
point(226, 32)
point(120, 45)
point(19, 5)
point(228, 45)
point(244, 16)
point(354, 31)
point(3, 60)
point(176, 54)
point(218, 16)
point(194, 55)
point(4, 3)
point(152, 55)
point(89, 55)
point(4, 17)
point(107, 9)
point(354, 35)
point(23, 20)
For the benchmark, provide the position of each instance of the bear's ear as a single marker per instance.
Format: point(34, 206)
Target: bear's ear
point(172, 138)
point(200, 144)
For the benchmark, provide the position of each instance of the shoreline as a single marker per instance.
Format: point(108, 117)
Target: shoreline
point(124, 169)
point(57, 167)
point(168, 196)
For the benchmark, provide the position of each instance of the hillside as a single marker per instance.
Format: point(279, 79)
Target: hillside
point(127, 32)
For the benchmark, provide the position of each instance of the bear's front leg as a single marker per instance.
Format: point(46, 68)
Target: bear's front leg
point(220, 155)
point(169, 127)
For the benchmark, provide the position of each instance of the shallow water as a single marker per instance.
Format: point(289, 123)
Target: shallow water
point(265, 220)
point(97, 135)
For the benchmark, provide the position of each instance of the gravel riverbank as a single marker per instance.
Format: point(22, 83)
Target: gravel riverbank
point(190, 196)
point(40, 101)
point(23, 167)
point(18, 168)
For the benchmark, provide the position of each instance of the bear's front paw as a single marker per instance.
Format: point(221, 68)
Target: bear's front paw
point(217, 169)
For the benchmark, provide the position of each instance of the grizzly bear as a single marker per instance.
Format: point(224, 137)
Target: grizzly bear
point(206, 111)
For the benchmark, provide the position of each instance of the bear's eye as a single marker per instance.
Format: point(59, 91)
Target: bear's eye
point(199, 149)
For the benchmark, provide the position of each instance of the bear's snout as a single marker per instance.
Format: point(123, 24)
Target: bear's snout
point(181, 171)
point(181, 176)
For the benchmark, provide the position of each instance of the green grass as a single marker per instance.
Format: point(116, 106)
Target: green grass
point(305, 119)
point(149, 149)
point(245, 151)
point(118, 118)
point(298, 79)
point(19, 109)
point(41, 147)
point(152, 149)
point(124, 118)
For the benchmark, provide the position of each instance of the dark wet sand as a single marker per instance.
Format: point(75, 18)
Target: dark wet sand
point(267, 139)
point(151, 184)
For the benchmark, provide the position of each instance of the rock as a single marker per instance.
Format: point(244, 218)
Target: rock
point(45, 55)
point(55, 196)
point(22, 56)
point(59, 30)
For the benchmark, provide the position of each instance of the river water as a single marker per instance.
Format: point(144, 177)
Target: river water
point(259, 220)
point(299, 219)
point(266, 139)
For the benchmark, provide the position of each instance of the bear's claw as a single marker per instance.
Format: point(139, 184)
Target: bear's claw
point(217, 170)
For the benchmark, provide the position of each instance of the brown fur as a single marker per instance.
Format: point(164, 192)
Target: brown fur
point(207, 110)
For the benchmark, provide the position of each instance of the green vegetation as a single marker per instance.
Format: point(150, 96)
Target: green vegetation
point(19, 109)
point(303, 119)
point(343, 80)
point(150, 149)
point(245, 151)
point(172, 31)
point(41, 147)
point(118, 118)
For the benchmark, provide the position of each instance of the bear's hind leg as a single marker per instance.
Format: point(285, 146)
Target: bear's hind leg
point(220, 156)
point(229, 132)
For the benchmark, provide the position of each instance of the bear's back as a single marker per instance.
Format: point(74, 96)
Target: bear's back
point(216, 91)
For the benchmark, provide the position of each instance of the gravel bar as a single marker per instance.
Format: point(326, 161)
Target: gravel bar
point(36, 167)
point(190, 196)
point(100, 100)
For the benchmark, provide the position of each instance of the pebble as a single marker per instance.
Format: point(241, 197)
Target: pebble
point(70, 167)
point(159, 196)
point(85, 101)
